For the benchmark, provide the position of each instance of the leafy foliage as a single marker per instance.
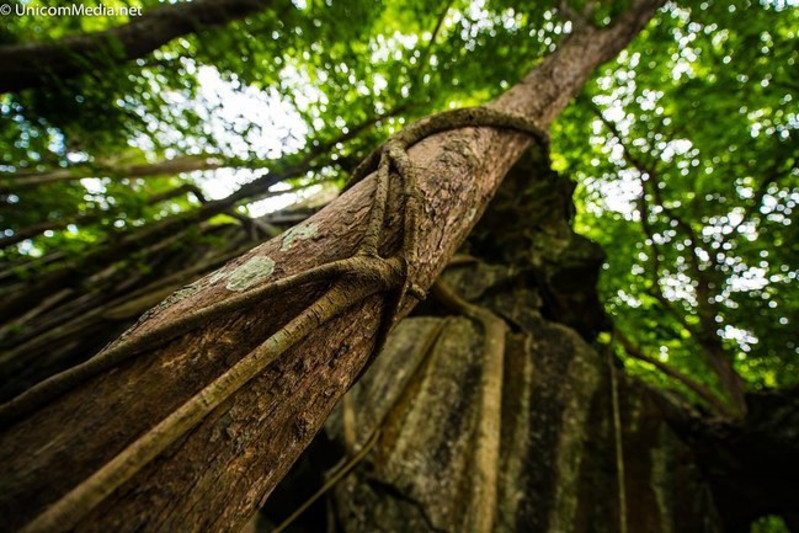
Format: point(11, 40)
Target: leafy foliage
point(690, 179)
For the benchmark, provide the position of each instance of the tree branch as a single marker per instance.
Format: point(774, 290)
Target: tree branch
point(700, 390)
point(94, 216)
point(33, 64)
point(771, 177)
point(706, 336)
point(26, 180)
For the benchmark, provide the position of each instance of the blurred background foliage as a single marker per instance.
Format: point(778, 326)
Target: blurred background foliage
point(684, 150)
point(690, 179)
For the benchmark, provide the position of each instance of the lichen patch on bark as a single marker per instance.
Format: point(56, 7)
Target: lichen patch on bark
point(298, 233)
point(252, 272)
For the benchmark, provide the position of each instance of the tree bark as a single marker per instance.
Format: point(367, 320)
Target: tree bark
point(30, 65)
point(214, 476)
point(71, 326)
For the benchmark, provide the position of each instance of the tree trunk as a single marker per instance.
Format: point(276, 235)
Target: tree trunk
point(234, 446)
point(563, 403)
point(581, 446)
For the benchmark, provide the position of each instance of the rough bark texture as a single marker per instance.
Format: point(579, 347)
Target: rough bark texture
point(29, 65)
point(214, 477)
point(81, 318)
point(562, 453)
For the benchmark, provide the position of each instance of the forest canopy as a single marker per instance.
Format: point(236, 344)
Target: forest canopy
point(139, 153)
